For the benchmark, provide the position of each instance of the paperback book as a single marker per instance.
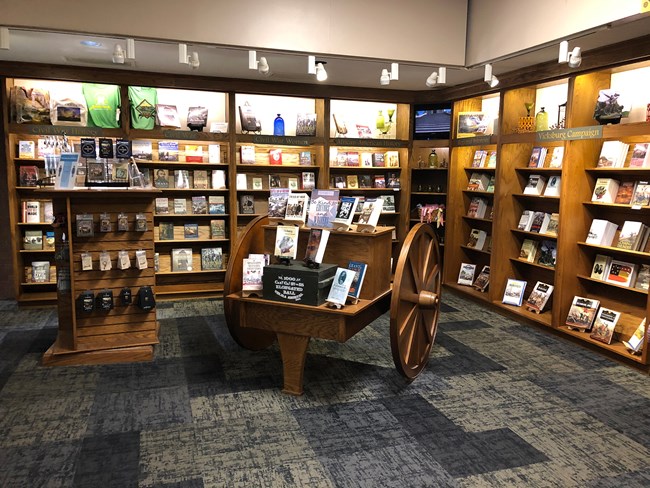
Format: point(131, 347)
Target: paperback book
point(322, 208)
point(316, 244)
point(582, 313)
point(211, 258)
point(278, 202)
point(286, 241)
point(514, 292)
point(359, 270)
point(539, 297)
point(466, 274)
point(604, 325)
point(482, 281)
point(341, 284)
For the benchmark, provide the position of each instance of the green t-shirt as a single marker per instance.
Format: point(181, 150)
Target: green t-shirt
point(143, 107)
point(103, 102)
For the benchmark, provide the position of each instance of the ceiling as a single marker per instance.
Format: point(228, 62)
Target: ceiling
point(232, 62)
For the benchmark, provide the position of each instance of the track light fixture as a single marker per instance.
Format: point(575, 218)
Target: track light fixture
point(437, 77)
point(574, 58)
point(262, 65)
point(316, 68)
point(192, 60)
point(118, 54)
point(489, 78)
point(387, 76)
point(4, 37)
point(130, 48)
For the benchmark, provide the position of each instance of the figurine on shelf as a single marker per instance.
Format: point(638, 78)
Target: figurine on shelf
point(433, 159)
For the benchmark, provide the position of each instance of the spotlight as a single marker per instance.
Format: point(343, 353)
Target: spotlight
point(387, 76)
point(573, 58)
point(262, 66)
point(489, 78)
point(4, 37)
point(316, 68)
point(436, 77)
point(118, 54)
point(192, 60)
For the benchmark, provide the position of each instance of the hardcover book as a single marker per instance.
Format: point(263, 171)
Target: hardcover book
point(258, 184)
point(526, 220)
point(393, 180)
point(26, 150)
point(180, 206)
point(200, 179)
point(612, 154)
point(514, 292)
point(241, 181)
point(392, 159)
point(142, 150)
point(621, 273)
point(528, 250)
point(477, 207)
point(540, 221)
point(216, 204)
point(478, 161)
point(247, 154)
point(478, 182)
point(322, 208)
point(286, 241)
point(341, 284)
point(604, 325)
point(359, 270)
point(308, 180)
point(306, 125)
point(278, 202)
point(537, 157)
point(167, 151)
point(539, 296)
point(643, 277)
point(246, 204)
point(167, 116)
point(166, 231)
point(316, 244)
point(625, 192)
point(483, 279)
point(345, 213)
point(352, 181)
point(211, 258)
point(199, 204)
point(305, 158)
point(214, 154)
point(28, 175)
point(378, 160)
point(182, 259)
point(297, 207)
point(218, 179)
point(380, 181)
point(33, 240)
point(217, 229)
point(492, 160)
point(370, 212)
point(631, 235)
point(275, 156)
point(352, 158)
point(389, 204)
point(274, 181)
point(252, 270)
point(181, 179)
point(365, 181)
point(161, 179)
point(366, 160)
point(466, 274)
point(601, 232)
point(191, 230)
point(193, 153)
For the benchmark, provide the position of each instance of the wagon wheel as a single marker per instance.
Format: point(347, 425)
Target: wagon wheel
point(251, 241)
point(415, 301)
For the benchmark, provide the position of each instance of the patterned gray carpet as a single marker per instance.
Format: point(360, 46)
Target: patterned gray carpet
point(500, 404)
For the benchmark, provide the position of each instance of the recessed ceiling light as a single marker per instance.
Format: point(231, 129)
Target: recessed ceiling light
point(91, 43)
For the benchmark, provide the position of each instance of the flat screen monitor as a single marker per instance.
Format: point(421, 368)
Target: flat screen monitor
point(432, 121)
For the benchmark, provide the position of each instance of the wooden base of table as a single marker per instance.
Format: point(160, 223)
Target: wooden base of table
point(56, 356)
point(293, 349)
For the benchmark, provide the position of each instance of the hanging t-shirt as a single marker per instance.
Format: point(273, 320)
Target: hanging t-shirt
point(143, 107)
point(103, 102)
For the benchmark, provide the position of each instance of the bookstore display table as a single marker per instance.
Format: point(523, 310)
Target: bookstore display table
point(413, 300)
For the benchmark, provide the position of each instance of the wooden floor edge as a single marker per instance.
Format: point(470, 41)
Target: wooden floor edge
point(108, 356)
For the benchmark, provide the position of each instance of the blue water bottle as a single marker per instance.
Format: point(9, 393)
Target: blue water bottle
point(278, 126)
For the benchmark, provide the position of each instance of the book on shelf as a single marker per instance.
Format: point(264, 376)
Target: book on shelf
point(217, 229)
point(477, 239)
point(539, 297)
point(528, 250)
point(535, 185)
point(491, 184)
point(370, 212)
point(341, 284)
point(199, 204)
point(161, 179)
point(642, 281)
point(466, 274)
point(537, 157)
point(482, 281)
point(167, 151)
point(278, 202)
point(478, 181)
point(547, 254)
point(275, 156)
point(26, 150)
point(540, 221)
point(181, 179)
point(306, 124)
point(378, 160)
point(359, 270)
point(316, 245)
point(241, 181)
point(352, 181)
point(364, 132)
point(182, 259)
point(304, 158)
point(258, 184)
point(166, 231)
point(32, 211)
point(635, 343)
point(601, 232)
point(605, 190)
point(526, 220)
point(142, 150)
point(514, 292)
point(274, 181)
point(621, 273)
point(600, 269)
point(352, 158)
point(478, 161)
point(322, 208)
point(365, 181)
point(582, 313)
point(392, 180)
point(211, 258)
point(167, 116)
point(200, 179)
point(33, 240)
point(366, 159)
point(612, 154)
point(341, 159)
point(214, 154)
point(389, 204)
point(286, 241)
point(308, 180)
point(553, 187)
point(252, 271)
point(147, 179)
point(641, 196)
point(246, 204)
point(216, 204)
point(604, 325)
point(640, 156)
point(491, 160)
point(553, 226)
point(193, 153)
point(556, 157)
point(180, 206)
point(625, 192)
point(380, 181)
point(28, 175)
point(297, 207)
point(632, 235)
point(247, 154)
point(477, 207)
point(345, 213)
point(292, 183)
point(392, 159)
point(338, 182)
point(190, 230)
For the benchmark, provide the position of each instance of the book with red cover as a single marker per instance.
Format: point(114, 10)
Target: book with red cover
point(275, 156)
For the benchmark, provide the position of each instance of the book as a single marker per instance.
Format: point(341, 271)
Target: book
point(308, 180)
point(539, 296)
point(341, 284)
point(246, 204)
point(604, 325)
point(625, 192)
point(491, 160)
point(600, 269)
point(297, 207)
point(491, 184)
point(214, 154)
point(247, 154)
point(32, 212)
point(535, 185)
point(483, 279)
point(582, 313)
point(278, 202)
point(359, 269)
point(166, 231)
point(480, 156)
point(199, 204)
point(466, 274)
point(641, 197)
point(274, 181)
point(352, 158)
point(378, 160)
point(182, 179)
point(392, 180)
point(306, 124)
point(275, 156)
point(556, 157)
point(161, 179)
point(286, 241)
point(193, 153)
point(241, 181)
point(167, 115)
point(191, 230)
point(217, 229)
point(478, 182)
point(640, 156)
point(540, 221)
point(514, 292)
point(352, 181)
point(211, 258)
point(365, 181)
point(537, 157)
point(553, 187)
point(218, 177)
point(631, 235)
point(322, 208)
point(167, 151)
point(216, 204)
point(547, 254)
point(304, 158)
point(28, 175)
point(292, 183)
point(380, 181)
point(477, 239)
point(642, 281)
point(182, 259)
point(147, 178)
point(345, 213)
point(366, 159)
point(258, 184)
point(33, 240)
point(316, 244)
point(26, 150)
point(528, 250)
point(180, 206)
point(392, 159)
point(605, 190)
point(612, 154)
point(142, 150)
point(363, 131)
point(526, 220)
point(635, 343)
point(621, 273)
point(553, 226)
point(477, 207)
point(252, 271)
point(370, 212)
point(388, 205)
point(601, 232)
point(200, 179)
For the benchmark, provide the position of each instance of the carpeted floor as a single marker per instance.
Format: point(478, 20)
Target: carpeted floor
point(500, 404)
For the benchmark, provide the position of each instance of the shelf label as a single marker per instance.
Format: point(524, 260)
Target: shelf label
point(473, 141)
point(343, 141)
point(53, 130)
point(279, 140)
point(574, 134)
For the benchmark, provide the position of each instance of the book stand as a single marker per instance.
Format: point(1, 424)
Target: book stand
point(367, 228)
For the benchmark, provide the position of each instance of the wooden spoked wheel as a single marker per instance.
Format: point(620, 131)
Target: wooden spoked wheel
point(415, 301)
point(251, 241)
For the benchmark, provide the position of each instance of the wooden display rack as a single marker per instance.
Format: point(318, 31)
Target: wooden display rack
point(125, 333)
point(413, 299)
